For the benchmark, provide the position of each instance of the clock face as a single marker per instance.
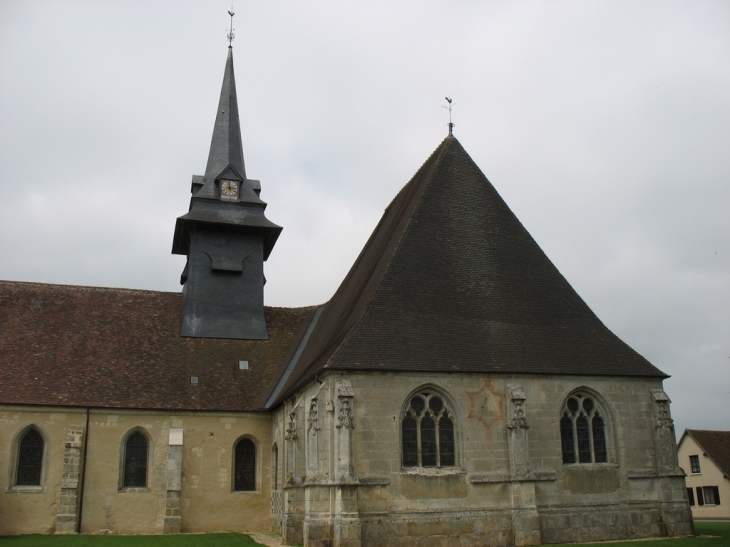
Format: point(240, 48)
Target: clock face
point(229, 189)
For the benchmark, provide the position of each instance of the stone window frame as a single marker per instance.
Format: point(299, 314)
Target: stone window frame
point(14, 461)
point(455, 416)
point(257, 463)
point(602, 407)
point(123, 459)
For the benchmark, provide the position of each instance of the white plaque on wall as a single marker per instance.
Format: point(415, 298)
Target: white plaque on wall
point(176, 436)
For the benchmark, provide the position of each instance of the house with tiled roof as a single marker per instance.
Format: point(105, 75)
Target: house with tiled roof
point(455, 390)
point(705, 458)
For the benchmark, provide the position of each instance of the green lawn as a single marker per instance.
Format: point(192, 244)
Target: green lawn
point(182, 540)
point(721, 529)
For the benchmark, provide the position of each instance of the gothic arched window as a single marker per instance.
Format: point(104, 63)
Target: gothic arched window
point(30, 459)
point(136, 452)
point(245, 466)
point(427, 429)
point(583, 430)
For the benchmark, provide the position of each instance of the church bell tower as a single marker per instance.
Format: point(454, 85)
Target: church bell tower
point(225, 236)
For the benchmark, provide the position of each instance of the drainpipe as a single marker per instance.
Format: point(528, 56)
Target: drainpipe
point(82, 475)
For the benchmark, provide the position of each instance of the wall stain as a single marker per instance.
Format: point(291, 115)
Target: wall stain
point(479, 399)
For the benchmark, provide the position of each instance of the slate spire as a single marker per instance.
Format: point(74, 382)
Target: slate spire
point(225, 146)
point(225, 236)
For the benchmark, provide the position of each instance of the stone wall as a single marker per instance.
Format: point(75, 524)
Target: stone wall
point(189, 480)
point(342, 459)
point(40, 509)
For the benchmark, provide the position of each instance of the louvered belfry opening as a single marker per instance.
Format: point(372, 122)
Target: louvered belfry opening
point(135, 461)
point(245, 477)
point(30, 459)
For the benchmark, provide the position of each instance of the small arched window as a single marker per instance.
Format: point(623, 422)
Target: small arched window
point(583, 430)
point(245, 466)
point(30, 459)
point(427, 429)
point(136, 451)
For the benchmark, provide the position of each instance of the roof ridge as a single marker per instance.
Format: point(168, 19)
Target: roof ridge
point(82, 287)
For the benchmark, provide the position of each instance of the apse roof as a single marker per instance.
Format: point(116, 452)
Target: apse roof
point(451, 281)
point(120, 348)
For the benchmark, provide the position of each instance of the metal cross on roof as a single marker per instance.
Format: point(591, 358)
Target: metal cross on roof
point(231, 36)
point(451, 125)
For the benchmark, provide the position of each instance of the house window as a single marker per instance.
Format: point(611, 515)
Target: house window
point(245, 466)
point(583, 431)
point(30, 459)
point(708, 495)
point(136, 452)
point(427, 428)
point(694, 462)
point(691, 496)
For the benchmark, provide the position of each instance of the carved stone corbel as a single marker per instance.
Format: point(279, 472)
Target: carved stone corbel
point(663, 419)
point(345, 418)
point(291, 426)
point(312, 419)
point(344, 393)
point(517, 419)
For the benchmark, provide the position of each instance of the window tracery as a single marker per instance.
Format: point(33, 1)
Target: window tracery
point(583, 430)
point(427, 428)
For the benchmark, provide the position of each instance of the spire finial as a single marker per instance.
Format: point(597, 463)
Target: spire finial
point(231, 36)
point(451, 125)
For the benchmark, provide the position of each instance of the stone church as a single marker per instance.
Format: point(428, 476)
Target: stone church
point(455, 390)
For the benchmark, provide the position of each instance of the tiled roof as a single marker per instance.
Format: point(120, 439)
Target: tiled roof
point(88, 346)
point(450, 280)
point(716, 444)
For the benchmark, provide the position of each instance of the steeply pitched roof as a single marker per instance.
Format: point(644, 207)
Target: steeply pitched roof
point(450, 280)
point(119, 348)
point(716, 444)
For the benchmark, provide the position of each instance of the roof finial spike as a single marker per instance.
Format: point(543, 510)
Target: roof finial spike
point(231, 36)
point(451, 125)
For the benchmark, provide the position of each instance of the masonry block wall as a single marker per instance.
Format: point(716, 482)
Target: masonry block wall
point(509, 485)
point(189, 485)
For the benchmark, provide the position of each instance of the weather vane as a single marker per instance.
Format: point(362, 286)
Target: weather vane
point(451, 125)
point(231, 36)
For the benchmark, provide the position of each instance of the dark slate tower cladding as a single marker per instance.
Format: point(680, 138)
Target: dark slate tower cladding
point(226, 237)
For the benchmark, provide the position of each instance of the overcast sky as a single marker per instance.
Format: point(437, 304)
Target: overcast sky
point(604, 125)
